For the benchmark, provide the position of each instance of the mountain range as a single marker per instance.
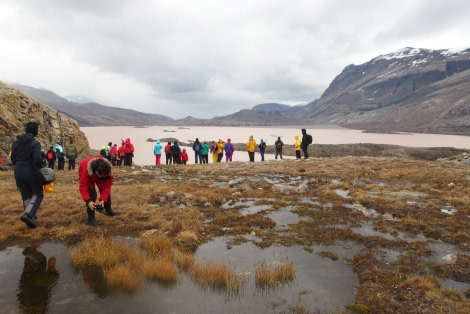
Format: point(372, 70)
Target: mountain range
point(409, 90)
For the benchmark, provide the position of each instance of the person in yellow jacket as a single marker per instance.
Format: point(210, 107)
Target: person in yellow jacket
point(220, 150)
point(250, 147)
point(297, 147)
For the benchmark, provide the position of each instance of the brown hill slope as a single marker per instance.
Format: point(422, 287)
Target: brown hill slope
point(94, 114)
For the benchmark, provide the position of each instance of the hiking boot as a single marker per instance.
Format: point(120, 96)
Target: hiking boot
point(28, 220)
point(111, 212)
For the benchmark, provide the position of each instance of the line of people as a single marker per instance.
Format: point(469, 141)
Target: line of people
point(118, 156)
point(174, 154)
point(58, 153)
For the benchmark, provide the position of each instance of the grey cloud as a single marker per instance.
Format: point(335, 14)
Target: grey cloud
point(218, 56)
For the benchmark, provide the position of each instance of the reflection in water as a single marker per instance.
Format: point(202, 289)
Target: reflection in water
point(95, 281)
point(37, 281)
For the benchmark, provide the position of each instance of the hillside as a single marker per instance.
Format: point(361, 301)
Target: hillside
point(94, 114)
point(415, 90)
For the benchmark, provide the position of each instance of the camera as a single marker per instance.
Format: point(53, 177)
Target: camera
point(99, 208)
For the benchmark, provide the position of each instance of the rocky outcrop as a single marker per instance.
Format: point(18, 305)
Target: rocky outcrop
point(17, 109)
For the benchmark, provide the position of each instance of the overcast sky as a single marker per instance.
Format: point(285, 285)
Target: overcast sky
point(211, 58)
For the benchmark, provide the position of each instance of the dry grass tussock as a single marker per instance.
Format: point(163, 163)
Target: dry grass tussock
point(424, 201)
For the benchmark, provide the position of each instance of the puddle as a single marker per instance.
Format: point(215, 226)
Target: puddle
point(369, 212)
point(452, 284)
point(367, 229)
point(321, 284)
point(254, 209)
point(284, 217)
point(27, 286)
point(444, 253)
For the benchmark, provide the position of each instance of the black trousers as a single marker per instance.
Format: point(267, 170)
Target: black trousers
point(93, 196)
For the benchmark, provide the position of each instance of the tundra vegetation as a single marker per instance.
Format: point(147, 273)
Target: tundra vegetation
point(170, 210)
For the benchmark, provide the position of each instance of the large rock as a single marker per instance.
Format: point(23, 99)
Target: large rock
point(17, 109)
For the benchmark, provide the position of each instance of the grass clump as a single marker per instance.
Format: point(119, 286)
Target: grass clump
point(163, 270)
point(266, 277)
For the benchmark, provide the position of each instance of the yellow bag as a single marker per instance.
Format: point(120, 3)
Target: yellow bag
point(49, 188)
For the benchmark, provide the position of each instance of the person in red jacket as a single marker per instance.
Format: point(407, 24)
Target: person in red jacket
point(129, 149)
point(96, 170)
point(184, 156)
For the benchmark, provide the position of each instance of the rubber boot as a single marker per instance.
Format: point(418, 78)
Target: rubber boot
point(108, 211)
point(27, 218)
point(91, 218)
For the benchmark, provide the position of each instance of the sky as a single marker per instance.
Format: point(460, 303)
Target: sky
point(211, 58)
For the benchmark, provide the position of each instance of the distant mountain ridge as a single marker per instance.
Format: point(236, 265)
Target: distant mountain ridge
point(409, 90)
point(94, 114)
point(415, 90)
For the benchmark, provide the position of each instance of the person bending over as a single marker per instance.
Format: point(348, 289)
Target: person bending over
point(96, 170)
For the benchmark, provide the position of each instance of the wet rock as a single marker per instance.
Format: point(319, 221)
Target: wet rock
point(287, 189)
point(234, 183)
point(450, 257)
point(149, 233)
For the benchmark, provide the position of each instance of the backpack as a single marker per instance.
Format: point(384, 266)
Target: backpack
point(228, 149)
point(50, 156)
point(278, 145)
point(197, 147)
point(309, 139)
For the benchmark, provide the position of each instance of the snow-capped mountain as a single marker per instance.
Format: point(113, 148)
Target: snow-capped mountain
point(411, 89)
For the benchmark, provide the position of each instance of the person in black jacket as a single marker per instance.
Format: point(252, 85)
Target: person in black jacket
point(26, 157)
point(176, 153)
point(305, 143)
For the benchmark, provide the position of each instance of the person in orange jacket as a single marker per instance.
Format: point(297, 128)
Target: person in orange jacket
point(96, 170)
point(122, 154)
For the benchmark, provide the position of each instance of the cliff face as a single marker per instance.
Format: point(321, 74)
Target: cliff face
point(17, 109)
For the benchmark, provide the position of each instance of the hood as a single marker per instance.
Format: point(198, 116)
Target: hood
point(251, 137)
point(90, 171)
point(296, 137)
point(158, 141)
point(26, 138)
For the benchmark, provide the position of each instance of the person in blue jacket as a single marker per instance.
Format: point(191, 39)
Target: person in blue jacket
point(157, 151)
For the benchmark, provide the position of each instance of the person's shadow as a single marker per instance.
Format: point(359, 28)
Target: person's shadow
point(37, 281)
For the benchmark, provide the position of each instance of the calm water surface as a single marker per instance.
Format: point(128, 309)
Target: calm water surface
point(99, 136)
point(29, 287)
